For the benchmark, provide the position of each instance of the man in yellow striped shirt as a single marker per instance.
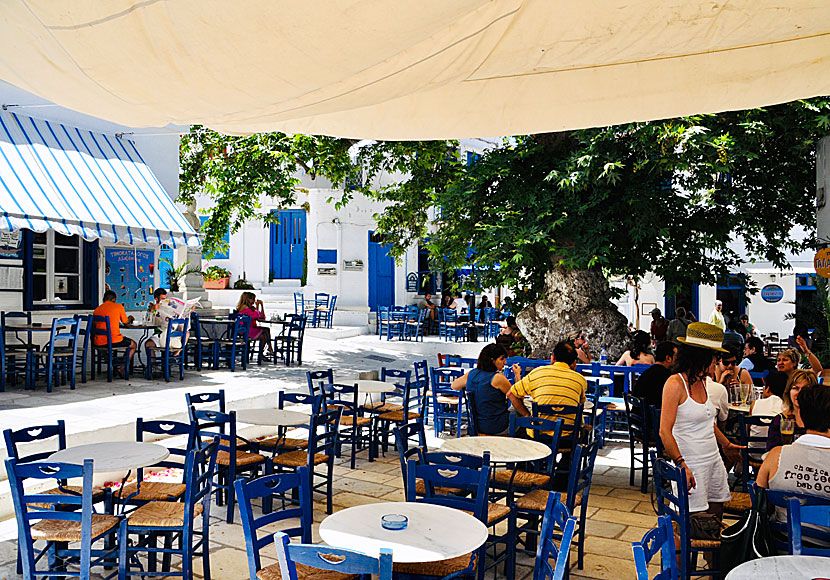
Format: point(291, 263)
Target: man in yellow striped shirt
point(557, 384)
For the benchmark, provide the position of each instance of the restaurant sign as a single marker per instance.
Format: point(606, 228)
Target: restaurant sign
point(772, 293)
point(821, 262)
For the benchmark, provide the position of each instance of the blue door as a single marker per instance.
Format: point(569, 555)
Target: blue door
point(381, 273)
point(164, 268)
point(288, 244)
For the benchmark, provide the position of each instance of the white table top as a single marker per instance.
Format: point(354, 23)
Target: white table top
point(502, 449)
point(739, 408)
point(272, 417)
point(782, 567)
point(600, 381)
point(114, 455)
point(368, 386)
point(433, 532)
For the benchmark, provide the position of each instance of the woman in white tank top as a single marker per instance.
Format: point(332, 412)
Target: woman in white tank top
point(687, 421)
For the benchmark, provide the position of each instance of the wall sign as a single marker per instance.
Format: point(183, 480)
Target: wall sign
point(412, 282)
point(10, 246)
point(821, 262)
point(130, 274)
point(772, 293)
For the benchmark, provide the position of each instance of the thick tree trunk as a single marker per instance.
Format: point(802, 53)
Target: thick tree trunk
point(576, 300)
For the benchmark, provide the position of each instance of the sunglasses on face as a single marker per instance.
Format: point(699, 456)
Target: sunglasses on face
point(729, 363)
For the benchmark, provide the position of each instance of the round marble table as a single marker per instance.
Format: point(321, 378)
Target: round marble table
point(114, 455)
point(433, 532)
point(600, 381)
point(366, 386)
point(272, 417)
point(783, 568)
point(502, 449)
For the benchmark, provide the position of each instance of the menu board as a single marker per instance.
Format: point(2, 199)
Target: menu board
point(130, 273)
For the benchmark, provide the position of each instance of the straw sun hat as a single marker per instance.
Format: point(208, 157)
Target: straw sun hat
point(703, 335)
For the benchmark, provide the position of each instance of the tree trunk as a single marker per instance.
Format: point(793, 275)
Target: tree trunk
point(575, 300)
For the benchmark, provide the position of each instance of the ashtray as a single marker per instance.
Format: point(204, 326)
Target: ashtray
point(394, 522)
point(37, 324)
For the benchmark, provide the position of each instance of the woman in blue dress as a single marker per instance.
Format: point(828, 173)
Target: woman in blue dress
point(490, 387)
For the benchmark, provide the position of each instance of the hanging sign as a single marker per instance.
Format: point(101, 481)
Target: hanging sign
point(129, 273)
point(772, 293)
point(822, 262)
point(412, 282)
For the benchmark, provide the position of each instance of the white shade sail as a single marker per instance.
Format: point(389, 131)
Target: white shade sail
point(389, 69)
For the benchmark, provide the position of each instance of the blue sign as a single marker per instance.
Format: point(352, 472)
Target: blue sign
point(772, 293)
point(129, 273)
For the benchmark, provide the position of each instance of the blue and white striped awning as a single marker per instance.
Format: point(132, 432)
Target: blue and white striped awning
point(77, 182)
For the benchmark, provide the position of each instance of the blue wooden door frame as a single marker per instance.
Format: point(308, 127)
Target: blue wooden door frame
point(288, 239)
point(381, 275)
point(670, 304)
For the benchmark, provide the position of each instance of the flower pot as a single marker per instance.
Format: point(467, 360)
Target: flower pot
point(219, 284)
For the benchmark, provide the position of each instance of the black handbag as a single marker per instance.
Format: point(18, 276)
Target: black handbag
point(749, 538)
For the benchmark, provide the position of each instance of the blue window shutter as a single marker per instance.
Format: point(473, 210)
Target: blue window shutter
point(326, 256)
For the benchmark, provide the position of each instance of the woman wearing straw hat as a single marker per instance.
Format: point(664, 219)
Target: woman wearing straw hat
point(687, 421)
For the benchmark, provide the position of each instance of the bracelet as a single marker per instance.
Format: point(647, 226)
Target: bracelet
point(679, 460)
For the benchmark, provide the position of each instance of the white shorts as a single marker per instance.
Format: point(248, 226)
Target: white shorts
point(712, 483)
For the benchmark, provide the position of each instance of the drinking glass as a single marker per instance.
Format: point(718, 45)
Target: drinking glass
point(746, 393)
point(787, 430)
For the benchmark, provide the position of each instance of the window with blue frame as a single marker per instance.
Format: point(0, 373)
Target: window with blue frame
point(732, 292)
point(226, 239)
point(472, 157)
point(59, 272)
point(806, 296)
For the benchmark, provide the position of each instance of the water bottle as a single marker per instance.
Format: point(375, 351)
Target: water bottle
point(603, 357)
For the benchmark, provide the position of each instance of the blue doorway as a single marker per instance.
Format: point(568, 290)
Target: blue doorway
point(381, 273)
point(288, 244)
point(687, 297)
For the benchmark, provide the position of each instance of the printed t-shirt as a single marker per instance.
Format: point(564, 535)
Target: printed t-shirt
point(116, 313)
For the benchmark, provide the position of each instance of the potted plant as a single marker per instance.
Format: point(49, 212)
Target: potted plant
point(217, 278)
point(177, 274)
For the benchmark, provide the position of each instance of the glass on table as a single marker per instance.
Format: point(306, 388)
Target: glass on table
point(787, 430)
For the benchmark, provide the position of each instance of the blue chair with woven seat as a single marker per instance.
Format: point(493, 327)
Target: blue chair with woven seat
point(325, 558)
point(104, 351)
point(356, 429)
point(84, 336)
point(754, 445)
point(659, 539)
point(281, 442)
point(173, 521)
point(448, 405)
point(57, 362)
point(15, 350)
point(325, 315)
point(811, 523)
point(53, 523)
point(289, 345)
point(571, 434)
point(318, 380)
point(557, 523)
point(638, 433)
point(293, 490)
point(171, 353)
point(235, 346)
point(403, 435)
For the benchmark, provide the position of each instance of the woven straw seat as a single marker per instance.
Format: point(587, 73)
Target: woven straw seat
point(537, 499)
point(496, 511)
point(242, 458)
point(97, 494)
point(438, 568)
point(382, 407)
point(304, 572)
point(298, 458)
point(240, 443)
point(421, 489)
point(68, 531)
point(398, 416)
point(161, 514)
point(353, 421)
point(152, 491)
point(740, 502)
point(282, 443)
point(704, 544)
point(523, 479)
point(447, 400)
point(754, 463)
point(612, 407)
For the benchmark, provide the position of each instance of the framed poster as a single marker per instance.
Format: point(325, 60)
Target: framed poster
point(647, 307)
point(11, 246)
point(130, 274)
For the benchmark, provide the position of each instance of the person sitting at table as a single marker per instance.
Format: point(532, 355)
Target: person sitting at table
point(799, 379)
point(459, 305)
point(554, 384)
point(253, 308)
point(118, 316)
point(649, 385)
point(639, 351)
point(771, 403)
point(509, 336)
point(727, 376)
point(581, 345)
point(433, 310)
point(798, 467)
point(490, 388)
point(157, 319)
point(754, 359)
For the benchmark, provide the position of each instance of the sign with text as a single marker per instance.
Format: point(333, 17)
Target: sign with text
point(821, 262)
point(130, 274)
point(772, 293)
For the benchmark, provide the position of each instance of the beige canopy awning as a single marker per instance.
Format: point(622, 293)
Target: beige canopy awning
point(391, 69)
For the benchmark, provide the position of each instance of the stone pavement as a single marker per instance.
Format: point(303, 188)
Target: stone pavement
point(618, 514)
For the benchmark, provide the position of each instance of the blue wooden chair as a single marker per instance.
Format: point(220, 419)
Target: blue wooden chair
point(299, 303)
point(546, 431)
point(403, 435)
point(571, 434)
point(293, 490)
point(799, 518)
point(659, 539)
point(448, 405)
point(289, 346)
point(290, 556)
point(635, 409)
point(196, 400)
point(673, 501)
point(281, 442)
point(318, 380)
point(84, 336)
point(416, 326)
point(173, 521)
point(57, 362)
point(409, 412)
point(453, 360)
point(201, 348)
point(235, 346)
point(106, 352)
point(134, 494)
point(579, 490)
point(325, 315)
point(557, 523)
point(440, 476)
point(422, 379)
point(754, 446)
point(169, 354)
point(452, 327)
point(231, 461)
point(52, 523)
point(15, 344)
point(356, 429)
point(322, 447)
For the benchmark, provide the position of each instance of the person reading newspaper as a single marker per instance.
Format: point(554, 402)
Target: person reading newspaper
point(162, 310)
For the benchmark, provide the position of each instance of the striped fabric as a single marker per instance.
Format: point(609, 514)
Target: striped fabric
point(76, 182)
point(554, 384)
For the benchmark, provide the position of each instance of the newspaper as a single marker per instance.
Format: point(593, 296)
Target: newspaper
point(176, 308)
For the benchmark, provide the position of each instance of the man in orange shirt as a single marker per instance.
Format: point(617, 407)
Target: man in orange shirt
point(117, 315)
